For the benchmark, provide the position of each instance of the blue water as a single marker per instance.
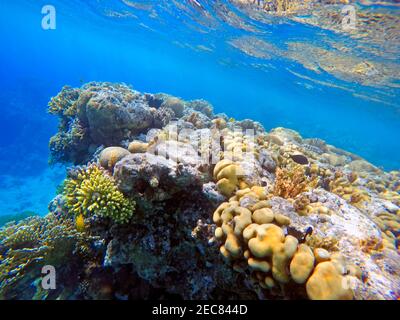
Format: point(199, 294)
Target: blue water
point(88, 46)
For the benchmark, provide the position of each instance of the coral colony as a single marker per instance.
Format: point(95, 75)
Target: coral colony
point(165, 198)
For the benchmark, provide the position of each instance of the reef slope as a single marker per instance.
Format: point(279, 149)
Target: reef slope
point(166, 199)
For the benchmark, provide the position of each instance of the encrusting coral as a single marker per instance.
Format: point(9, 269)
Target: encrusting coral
point(91, 191)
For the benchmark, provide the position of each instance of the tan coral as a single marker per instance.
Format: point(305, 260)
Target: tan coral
point(111, 155)
point(263, 216)
point(219, 123)
point(226, 187)
point(302, 264)
point(290, 183)
point(138, 147)
point(267, 238)
point(281, 219)
point(261, 204)
point(345, 187)
point(259, 265)
point(232, 245)
point(321, 255)
point(281, 259)
point(327, 283)
point(227, 175)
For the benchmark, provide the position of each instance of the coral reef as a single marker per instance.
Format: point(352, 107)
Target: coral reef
point(172, 200)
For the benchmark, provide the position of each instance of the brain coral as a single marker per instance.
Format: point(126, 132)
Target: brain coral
point(110, 156)
point(93, 191)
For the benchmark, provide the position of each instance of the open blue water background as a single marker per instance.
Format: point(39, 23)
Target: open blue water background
point(35, 64)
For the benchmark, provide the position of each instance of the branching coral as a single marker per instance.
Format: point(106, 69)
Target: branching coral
point(30, 244)
point(93, 191)
point(64, 102)
point(70, 144)
point(290, 183)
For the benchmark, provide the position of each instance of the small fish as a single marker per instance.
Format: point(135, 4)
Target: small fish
point(80, 223)
point(300, 235)
point(196, 4)
point(299, 158)
point(312, 148)
point(308, 231)
point(231, 120)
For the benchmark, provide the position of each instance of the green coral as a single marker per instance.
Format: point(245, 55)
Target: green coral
point(64, 102)
point(69, 144)
point(93, 191)
point(27, 246)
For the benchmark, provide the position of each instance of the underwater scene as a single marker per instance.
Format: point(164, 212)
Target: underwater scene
point(200, 150)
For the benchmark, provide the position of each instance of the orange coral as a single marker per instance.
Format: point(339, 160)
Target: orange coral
point(290, 183)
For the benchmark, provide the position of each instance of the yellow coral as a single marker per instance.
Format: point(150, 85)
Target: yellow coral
point(227, 175)
point(302, 264)
point(303, 206)
point(93, 191)
point(80, 223)
point(263, 215)
point(327, 283)
point(283, 252)
point(266, 238)
point(321, 255)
